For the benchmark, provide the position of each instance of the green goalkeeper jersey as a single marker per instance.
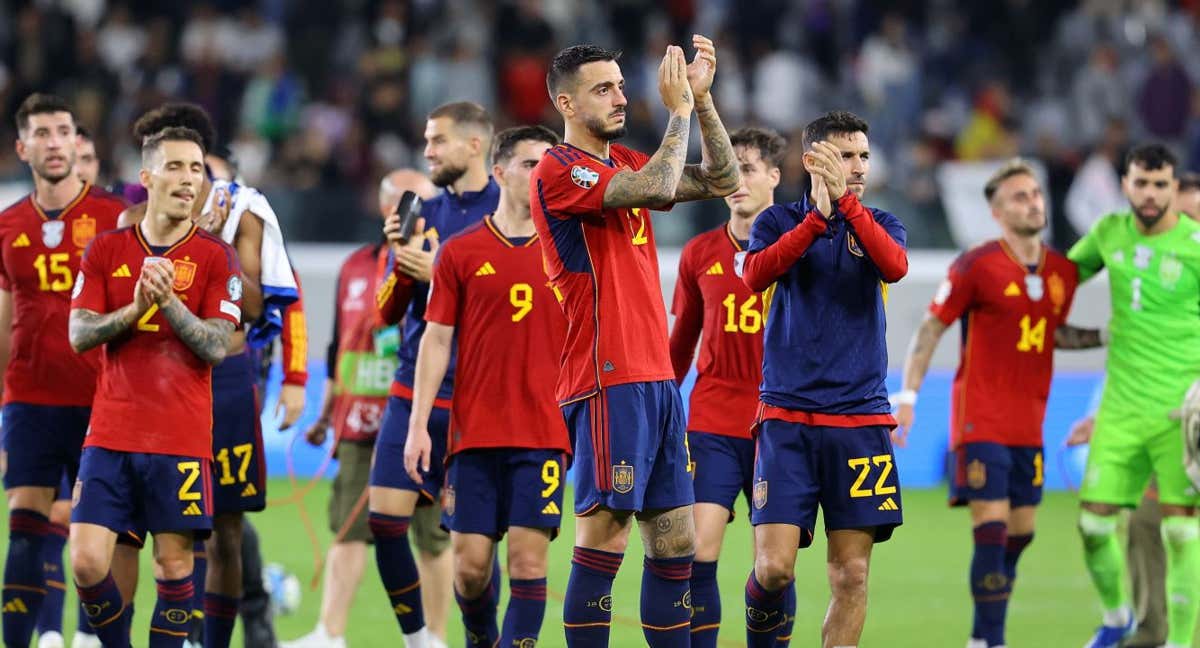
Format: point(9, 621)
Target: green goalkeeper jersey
point(1154, 333)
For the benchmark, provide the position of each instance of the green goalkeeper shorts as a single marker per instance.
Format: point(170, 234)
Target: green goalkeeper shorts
point(1124, 456)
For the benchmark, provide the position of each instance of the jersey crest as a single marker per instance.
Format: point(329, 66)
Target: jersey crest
point(185, 274)
point(83, 230)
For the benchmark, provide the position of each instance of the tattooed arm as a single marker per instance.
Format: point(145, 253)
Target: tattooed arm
point(207, 338)
point(657, 181)
point(717, 174)
point(88, 329)
point(1073, 337)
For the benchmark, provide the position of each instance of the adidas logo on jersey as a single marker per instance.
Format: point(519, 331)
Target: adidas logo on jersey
point(1012, 290)
point(889, 504)
point(486, 269)
point(249, 491)
point(16, 606)
point(551, 509)
point(716, 269)
point(22, 241)
point(123, 271)
point(192, 509)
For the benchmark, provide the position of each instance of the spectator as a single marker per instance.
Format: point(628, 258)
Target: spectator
point(1164, 101)
point(1098, 94)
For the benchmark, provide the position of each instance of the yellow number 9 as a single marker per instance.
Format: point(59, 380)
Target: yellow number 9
point(521, 297)
point(550, 475)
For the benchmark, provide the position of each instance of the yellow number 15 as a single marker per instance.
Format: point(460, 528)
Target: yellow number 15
point(54, 276)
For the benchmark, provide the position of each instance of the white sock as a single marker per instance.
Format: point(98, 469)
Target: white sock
point(1118, 618)
point(418, 639)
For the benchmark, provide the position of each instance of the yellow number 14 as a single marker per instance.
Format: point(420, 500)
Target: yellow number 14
point(1032, 337)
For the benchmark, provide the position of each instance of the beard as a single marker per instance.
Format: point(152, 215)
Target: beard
point(1150, 221)
point(598, 130)
point(447, 175)
point(55, 178)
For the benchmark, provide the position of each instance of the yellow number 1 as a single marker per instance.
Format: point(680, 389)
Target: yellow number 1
point(521, 297)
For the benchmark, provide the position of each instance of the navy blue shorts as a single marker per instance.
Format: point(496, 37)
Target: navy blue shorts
point(502, 488)
point(722, 467)
point(239, 466)
point(849, 472)
point(630, 449)
point(994, 471)
point(64, 488)
point(387, 467)
point(41, 442)
point(135, 490)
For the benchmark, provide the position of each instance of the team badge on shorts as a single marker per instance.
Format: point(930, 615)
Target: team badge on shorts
point(760, 494)
point(76, 491)
point(185, 274)
point(83, 230)
point(976, 474)
point(622, 478)
point(52, 233)
point(584, 177)
point(448, 500)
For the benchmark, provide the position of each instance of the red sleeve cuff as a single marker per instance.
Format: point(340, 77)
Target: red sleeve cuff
point(762, 268)
point(299, 379)
point(889, 256)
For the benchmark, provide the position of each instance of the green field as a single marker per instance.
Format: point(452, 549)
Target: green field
point(918, 585)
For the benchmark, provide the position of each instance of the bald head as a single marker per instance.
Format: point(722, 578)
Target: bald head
point(395, 183)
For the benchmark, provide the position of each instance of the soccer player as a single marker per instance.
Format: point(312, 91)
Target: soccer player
point(590, 199)
point(87, 163)
point(710, 297)
point(457, 137)
point(360, 366)
point(1012, 296)
point(161, 299)
point(239, 467)
point(1153, 261)
point(508, 446)
point(48, 389)
point(823, 426)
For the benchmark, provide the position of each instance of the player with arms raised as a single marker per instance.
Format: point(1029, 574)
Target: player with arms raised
point(162, 299)
point(508, 445)
point(590, 199)
point(710, 297)
point(48, 389)
point(1012, 296)
point(824, 420)
point(1153, 259)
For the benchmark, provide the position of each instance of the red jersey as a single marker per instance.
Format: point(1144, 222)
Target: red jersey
point(495, 293)
point(360, 362)
point(155, 394)
point(39, 259)
point(1009, 315)
point(605, 265)
point(711, 297)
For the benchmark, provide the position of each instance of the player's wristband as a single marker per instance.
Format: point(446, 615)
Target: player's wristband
point(1103, 336)
point(905, 397)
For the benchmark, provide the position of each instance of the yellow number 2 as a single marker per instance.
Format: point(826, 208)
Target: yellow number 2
point(54, 276)
point(551, 476)
point(521, 297)
point(143, 324)
point(639, 235)
point(191, 471)
point(1032, 337)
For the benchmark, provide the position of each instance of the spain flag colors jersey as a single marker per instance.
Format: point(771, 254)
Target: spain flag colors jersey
point(39, 258)
point(510, 331)
point(605, 264)
point(155, 393)
point(713, 304)
point(1009, 313)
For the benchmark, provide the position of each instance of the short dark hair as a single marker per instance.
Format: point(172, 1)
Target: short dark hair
point(567, 62)
point(1150, 157)
point(1189, 181)
point(505, 143)
point(771, 145)
point(180, 114)
point(1013, 167)
point(152, 143)
point(835, 122)
point(464, 112)
point(84, 132)
point(40, 103)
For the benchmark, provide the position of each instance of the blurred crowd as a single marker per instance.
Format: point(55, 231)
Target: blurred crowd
point(314, 99)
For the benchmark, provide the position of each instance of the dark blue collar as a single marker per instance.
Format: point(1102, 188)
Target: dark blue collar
point(475, 196)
